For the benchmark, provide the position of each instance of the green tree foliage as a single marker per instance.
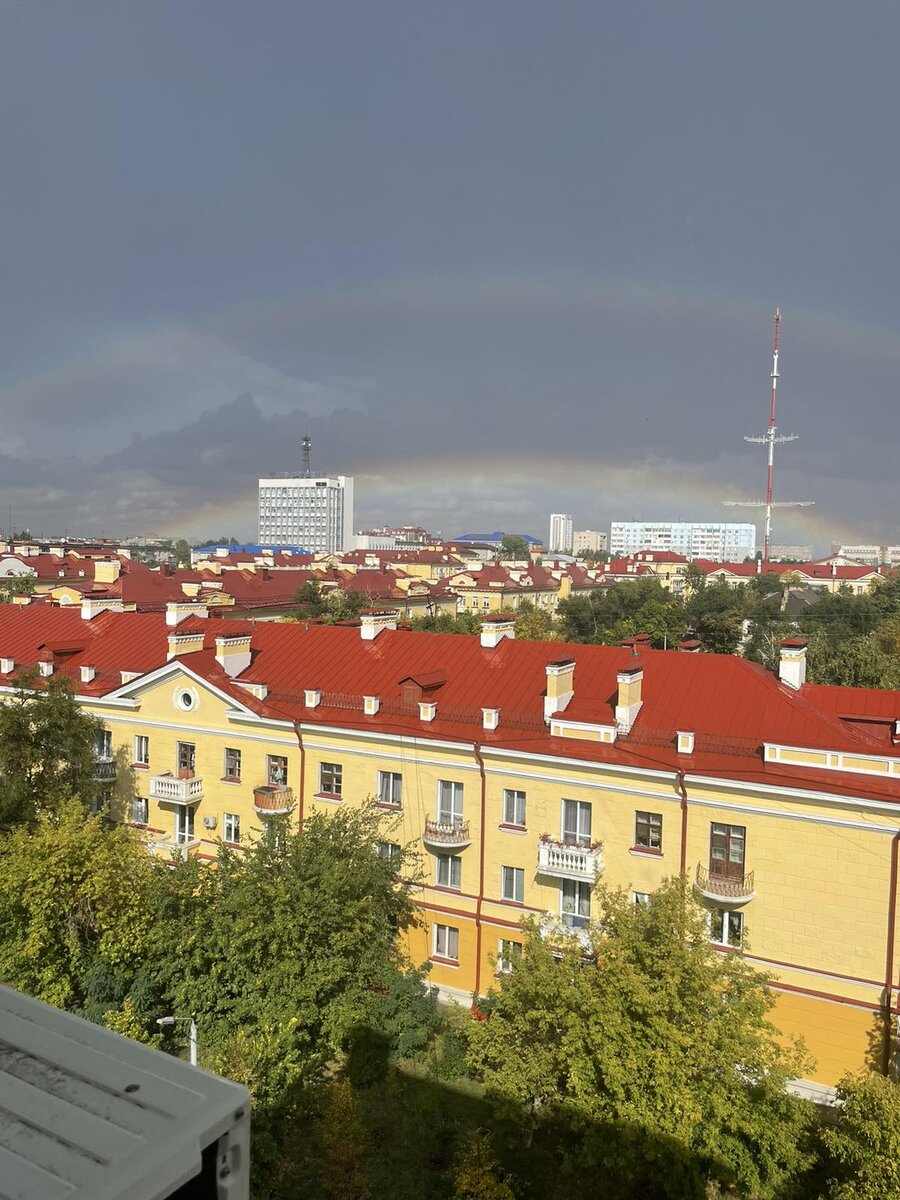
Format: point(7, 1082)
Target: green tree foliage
point(71, 906)
point(512, 546)
point(182, 551)
point(47, 748)
point(477, 1175)
point(850, 661)
point(659, 1044)
point(311, 600)
point(446, 623)
point(607, 615)
point(534, 624)
point(863, 1147)
point(344, 1144)
point(15, 585)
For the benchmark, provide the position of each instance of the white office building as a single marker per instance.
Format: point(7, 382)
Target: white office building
point(560, 533)
point(721, 541)
point(588, 539)
point(315, 513)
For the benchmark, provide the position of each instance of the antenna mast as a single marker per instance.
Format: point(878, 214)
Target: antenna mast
point(305, 446)
point(768, 440)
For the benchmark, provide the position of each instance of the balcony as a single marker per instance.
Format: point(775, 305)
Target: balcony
point(558, 930)
point(721, 890)
point(447, 835)
point(562, 860)
point(174, 847)
point(175, 791)
point(104, 768)
point(273, 799)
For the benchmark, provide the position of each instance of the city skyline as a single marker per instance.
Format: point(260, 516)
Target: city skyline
point(547, 288)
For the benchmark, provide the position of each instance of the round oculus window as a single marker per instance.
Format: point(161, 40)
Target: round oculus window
point(185, 699)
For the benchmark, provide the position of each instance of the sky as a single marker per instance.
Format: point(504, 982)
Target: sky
point(501, 258)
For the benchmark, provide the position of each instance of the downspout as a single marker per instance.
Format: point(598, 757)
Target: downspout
point(679, 779)
point(889, 956)
point(478, 903)
point(302, 776)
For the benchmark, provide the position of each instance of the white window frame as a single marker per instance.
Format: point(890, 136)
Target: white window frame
point(513, 800)
point(232, 759)
point(388, 850)
point(231, 826)
point(452, 814)
point(446, 942)
point(139, 815)
point(142, 746)
point(336, 770)
point(575, 902)
point(394, 782)
point(448, 871)
point(276, 770)
point(640, 898)
point(505, 957)
point(583, 808)
point(516, 876)
point(654, 824)
point(104, 743)
point(185, 824)
point(732, 922)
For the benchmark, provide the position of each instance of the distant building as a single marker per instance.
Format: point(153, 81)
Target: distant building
point(588, 539)
point(722, 541)
point(494, 539)
point(790, 553)
point(395, 537)
point(561, 530)
point(316, 513)
point(871, 555)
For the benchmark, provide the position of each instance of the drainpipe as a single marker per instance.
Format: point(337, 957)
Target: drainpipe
point(679, 780)
point(889, 957)
point(302, 776)
point(478, 903)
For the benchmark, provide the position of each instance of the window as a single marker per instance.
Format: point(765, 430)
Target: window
point(727, 845)
point(513, 807)
point(232, 764)
point(507, 953)
point(184, 823)
point(104, 744)
point(142, 749)
point(231, 827)
point(100, 802)
point(388, 850)
point(390, 788)
point(450, 802)
point(512, 884)
point(446, 942)
point(577, 822)
point(276, 770)
point(138, 810)
point(726, 928)
point(576, 903)
point(330, 778)
point(448, 870)
point(640, 897)
point(648, 830)
point(186, 756)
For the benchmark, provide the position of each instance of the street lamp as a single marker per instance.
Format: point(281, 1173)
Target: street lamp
point(192, 1033)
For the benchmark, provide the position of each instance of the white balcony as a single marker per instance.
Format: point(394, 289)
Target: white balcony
point(561, 860)
point(175, 791)
point(173, 847)
point(447, 835)
point(559, 930)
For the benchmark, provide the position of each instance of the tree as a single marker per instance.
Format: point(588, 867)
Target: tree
point(852, 661)
point(512, 545)
point(477, 1175)
point(15, 585)
point(344, 1145)
point(311, 600)
point(862, 1148)
point(182, 553)
point(534, 624)
point(47, 748)
point(659, 1046)
point(72, 907)
point(447, 623)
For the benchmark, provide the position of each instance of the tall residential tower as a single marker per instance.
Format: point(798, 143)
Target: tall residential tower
point(311, 511)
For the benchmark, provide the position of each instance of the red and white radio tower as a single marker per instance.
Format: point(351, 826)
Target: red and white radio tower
point(769, 439)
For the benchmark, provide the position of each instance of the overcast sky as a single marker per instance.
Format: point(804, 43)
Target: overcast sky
point(502, 258)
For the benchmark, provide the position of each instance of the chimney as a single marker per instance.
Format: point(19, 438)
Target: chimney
point(371, 705)
point(628, 700)
point(490, 718)
point(312, 697)
point(179, 610)
point(107, 570)
point(87, 674)
point(233, 653)
point(685, 742)
point(689, 646)
point(495, 629)
point(373, 620)
point(792, 665)
point(560, 686)
point(187, 641)
point(45, 668)
point(7, 666)
point(91, 606)
point(427, 710)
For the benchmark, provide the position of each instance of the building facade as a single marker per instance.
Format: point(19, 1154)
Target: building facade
point(588, 539)
point(722, 541)
point(523, 773)
point(561, 530)
point(316, 513)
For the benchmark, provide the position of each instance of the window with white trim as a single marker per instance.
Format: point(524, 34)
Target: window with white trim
point(232, 763)
point(389, 851)
point(104, 744)
point(231, 827)
point(726, 928)
point(640, 898)
point(446, 942)
point(276, 770)
point(576, 822)
point(390, 788)
point(513, 807)
point(142, 749)
point(508, 952)
point(512, 884)
point(184, 823)
point(648, 830)
point(450, 802)
point(576, 902)
point(448, 871)
point(330, 778)
point(100, 802)
point(138, 810)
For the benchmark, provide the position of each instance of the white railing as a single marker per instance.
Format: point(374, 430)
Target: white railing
point(559, 930)
point(176, 791)
point(176, 847)
point(447, 833)
point(564, 861)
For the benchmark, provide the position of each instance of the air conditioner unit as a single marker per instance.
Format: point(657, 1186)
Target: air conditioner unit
point(91, 1115)
point(209, 822)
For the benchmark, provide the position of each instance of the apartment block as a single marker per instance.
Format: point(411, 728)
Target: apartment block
point(316, 513)
point(722, 541)
point(561, 531)
point(588, 539)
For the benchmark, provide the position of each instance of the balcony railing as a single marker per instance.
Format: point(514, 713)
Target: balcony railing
point(449, 835)
point(561, 860)
point(176, 791)
point(557, 930)
point(104, 768)
point(174, 847)
point(273, 799)
point(723, 890)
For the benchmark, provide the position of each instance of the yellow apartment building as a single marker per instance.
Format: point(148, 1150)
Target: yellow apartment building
point(523, 773)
